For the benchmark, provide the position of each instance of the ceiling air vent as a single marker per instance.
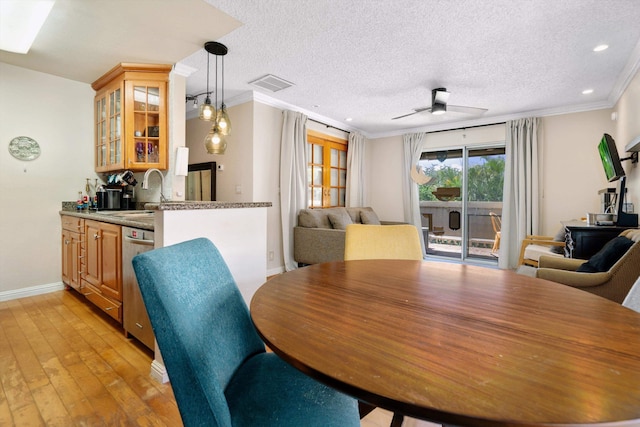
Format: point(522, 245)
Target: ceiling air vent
point(271, 83)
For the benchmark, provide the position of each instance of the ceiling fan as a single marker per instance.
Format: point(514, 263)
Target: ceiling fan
point(439, 98)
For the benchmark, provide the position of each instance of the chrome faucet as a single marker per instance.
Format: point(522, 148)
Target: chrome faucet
point(145, 182)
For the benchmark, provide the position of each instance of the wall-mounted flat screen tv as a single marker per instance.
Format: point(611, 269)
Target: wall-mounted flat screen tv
point(610, 159)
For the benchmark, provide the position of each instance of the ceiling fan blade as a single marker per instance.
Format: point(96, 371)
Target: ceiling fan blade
point(415, 111)
point(466, 110)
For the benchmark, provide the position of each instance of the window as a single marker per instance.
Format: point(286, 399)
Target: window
point(327, 170)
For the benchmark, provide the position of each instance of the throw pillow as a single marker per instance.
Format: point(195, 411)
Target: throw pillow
point(340, 220)
point(607, 256)
point(369, 217)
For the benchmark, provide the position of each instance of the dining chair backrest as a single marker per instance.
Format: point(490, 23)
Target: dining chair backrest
point(201, 323)
point(365, 241)
point(220, 373)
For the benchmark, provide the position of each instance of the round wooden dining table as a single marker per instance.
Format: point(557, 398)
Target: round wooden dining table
point(457, 344)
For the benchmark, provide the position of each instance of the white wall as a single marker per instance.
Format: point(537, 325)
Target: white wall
point(571, 171)
point(266, 178)
point(58, 114)
point(384, 165)
point(235, 182)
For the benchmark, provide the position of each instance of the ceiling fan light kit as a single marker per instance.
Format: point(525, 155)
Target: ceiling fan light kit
point(439, 106)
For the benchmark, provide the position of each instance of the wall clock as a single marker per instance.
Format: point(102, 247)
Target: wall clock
point(24, 148)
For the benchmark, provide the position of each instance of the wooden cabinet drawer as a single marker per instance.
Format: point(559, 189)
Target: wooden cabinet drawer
point(109, 306)
point(72, 223)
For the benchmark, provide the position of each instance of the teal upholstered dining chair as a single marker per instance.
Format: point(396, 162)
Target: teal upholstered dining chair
point(217, 364)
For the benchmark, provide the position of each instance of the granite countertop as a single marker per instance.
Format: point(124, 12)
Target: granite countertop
point(192, 205)
point(146, 221)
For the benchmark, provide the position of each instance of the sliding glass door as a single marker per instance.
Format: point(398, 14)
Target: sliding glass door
point(462, 204)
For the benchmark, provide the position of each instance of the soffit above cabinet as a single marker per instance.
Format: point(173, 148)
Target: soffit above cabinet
point(104, 33)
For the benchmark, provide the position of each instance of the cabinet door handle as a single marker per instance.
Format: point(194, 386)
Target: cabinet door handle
point(139, 325)
point(96, 237)
point(109, 308)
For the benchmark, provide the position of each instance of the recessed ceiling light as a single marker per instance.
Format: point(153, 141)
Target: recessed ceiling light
point(587, 91)
point(601, 47)
point(348, 119)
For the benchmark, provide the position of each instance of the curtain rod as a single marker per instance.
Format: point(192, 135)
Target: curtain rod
point(329, 126)
point(468, 127)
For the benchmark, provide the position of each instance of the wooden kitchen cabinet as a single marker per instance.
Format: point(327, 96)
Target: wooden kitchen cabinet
point(72, 251)
point(131, 127)
point(103, 271)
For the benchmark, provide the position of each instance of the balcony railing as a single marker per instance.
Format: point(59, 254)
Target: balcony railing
point(445, 241)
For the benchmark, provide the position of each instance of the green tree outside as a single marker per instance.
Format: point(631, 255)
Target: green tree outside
point(486, 180)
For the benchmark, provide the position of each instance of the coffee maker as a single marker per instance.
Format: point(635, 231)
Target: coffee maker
point(118, 194)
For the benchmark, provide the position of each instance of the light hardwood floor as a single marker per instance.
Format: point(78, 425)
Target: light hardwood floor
point(64, 363)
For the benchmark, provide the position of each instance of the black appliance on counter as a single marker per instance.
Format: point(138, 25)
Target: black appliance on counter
point(115, 198)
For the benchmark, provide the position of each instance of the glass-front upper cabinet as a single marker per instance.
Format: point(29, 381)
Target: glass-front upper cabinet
point(131, 118)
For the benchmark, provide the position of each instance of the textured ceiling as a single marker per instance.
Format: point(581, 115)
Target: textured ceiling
point(370, 60)
point(373, 60)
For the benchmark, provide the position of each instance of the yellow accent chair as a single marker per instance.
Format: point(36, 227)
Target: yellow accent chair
point(365, 241)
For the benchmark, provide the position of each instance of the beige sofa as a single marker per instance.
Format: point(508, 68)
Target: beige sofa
point(319, 235)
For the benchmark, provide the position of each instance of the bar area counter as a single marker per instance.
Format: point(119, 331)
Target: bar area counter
point(239, 231)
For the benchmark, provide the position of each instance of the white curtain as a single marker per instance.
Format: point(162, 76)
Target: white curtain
point(521, 201)
point(293, 178)
point(413, 145)
point(356, 173)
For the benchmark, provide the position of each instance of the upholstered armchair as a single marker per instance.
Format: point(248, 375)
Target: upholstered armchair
point(613, 283)
point(219, 370)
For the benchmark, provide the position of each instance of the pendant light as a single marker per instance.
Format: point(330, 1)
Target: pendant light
point(215, 141)
point(223, 117)
point(207, 111)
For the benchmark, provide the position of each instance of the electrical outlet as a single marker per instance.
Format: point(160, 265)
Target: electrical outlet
point(271, 255)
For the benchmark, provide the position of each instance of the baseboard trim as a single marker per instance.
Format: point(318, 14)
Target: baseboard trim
point(31, 291)
point(275, 271)
point(159, 372)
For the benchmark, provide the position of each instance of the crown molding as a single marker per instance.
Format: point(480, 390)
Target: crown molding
point(626, 75)
point(183, 70)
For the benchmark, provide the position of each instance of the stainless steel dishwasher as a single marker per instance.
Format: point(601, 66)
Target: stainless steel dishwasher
point(135, 319)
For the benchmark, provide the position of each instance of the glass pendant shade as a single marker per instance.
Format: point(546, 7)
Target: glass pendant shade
point(207, 110)
point(223, 120)
point(215, 141)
